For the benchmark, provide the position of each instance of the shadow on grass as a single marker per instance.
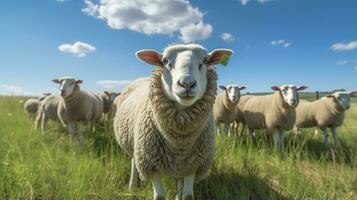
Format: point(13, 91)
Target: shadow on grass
point(231, 185)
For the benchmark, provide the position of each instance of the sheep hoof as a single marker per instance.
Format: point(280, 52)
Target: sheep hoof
point(188, 197)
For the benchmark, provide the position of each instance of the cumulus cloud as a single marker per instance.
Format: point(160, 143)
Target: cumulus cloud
point(245, 2)
point(113, 84)
point(151, 16)
point(228, 37)
point(344, 46)
point(282, 43)
point(91, 8)
point(79, 49)
point(196, 32)
point(342, 62)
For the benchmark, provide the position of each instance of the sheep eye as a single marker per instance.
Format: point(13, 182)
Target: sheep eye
point(205, 60)
point(165, 61)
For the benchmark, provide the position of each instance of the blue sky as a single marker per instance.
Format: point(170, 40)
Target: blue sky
point(275, 41)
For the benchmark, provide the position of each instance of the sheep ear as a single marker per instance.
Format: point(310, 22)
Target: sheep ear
point(302, 87)
point(57, 81)
point(219, 56)
point(330, 96)
point(275, 88)
point(353, 92)
point(79, 81)
point(243, 87)
point(46, 94)
point(222, 87)
point(107, 93)
point(150, 56)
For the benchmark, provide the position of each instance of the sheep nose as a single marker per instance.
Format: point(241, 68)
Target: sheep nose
point(293, 101)
point(187, 83)
point(63, 92)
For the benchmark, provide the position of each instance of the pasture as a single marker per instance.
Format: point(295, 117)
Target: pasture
point(36, 166)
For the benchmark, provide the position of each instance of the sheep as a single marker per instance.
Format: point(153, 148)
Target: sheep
point(274, 112)
point(48, 111)
point(31, 105)
point(108, 100)
point(224, 107)
point(165, 123)
point(325, 113)
point(77, 108)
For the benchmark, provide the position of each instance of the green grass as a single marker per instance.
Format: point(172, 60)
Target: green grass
point(35, 166)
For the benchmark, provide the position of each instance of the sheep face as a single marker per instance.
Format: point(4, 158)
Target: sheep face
point(67, 85)
point(184, 67)
point(111, 95)
point(342, 99)
point(289, 93)
point(233, 92)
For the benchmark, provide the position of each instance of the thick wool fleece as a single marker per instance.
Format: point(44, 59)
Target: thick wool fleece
point(323, 113)
point(80, 106)
point(269, 112)
point(48, 107)
point(31, 106)
point(149, 127)
point(224, 109)
point(240, 106)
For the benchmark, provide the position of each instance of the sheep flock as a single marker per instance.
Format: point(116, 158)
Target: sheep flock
point(167, 123)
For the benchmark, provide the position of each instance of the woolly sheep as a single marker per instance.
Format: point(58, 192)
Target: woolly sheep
point(165, 123)
point(31, 105)
point(77, 108)
point(325, 113)
point(47, 111)
point(274, 112)
point(108, 101)
point(224, 107)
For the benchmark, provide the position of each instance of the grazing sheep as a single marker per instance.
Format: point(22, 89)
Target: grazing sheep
point(165, 123)
point(325, 113)
point(77, 108)
point(48, 111)
point(274, 112)
point(31, 105)
point(224, 107)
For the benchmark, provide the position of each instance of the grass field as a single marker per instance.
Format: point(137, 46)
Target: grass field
point(35, 166)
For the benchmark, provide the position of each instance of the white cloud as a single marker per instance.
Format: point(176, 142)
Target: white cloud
point(344, 46)
point(113, 84)
point(228, 37)
point(150, 16)
point(245, 2)
point(342, 62)
point(265, 1)
point(196, 32)
point(9, 89)
point(282, 43)
point(79, 49)
point(91, 9)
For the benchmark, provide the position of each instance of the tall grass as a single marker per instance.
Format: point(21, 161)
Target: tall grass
point(36, 166)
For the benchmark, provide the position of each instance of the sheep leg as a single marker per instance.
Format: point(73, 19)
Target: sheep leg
point(187, 191)
point(81, 129)
point(226, 130)
point(179, 190)
point(134, 176)
point(38, 119)
point(325, 131)
point(334, 134)
point(281, 140)
point(71, 130)
point(276, 139)
point(159, 191)
point(43, 124)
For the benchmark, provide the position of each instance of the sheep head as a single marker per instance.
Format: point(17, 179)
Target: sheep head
point(233, 91)
point(67, 85)
point(342, 98)
point(184, 78)
point(289, 93)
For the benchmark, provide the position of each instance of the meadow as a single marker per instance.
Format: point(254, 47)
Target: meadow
point(36, 166)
